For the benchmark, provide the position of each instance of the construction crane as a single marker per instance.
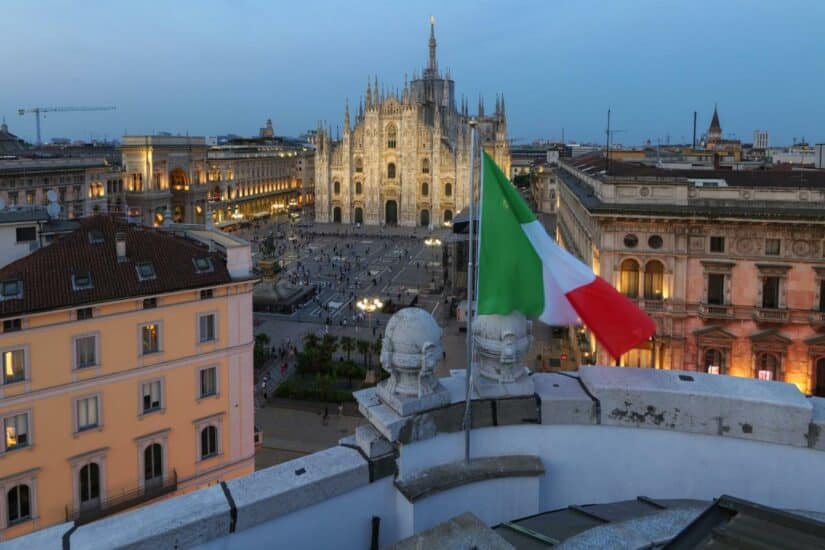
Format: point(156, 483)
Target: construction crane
point(38, 110)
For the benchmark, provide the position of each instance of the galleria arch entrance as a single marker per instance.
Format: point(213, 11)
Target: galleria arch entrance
point(391, 213)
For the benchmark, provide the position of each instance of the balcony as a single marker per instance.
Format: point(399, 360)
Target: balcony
point(817, 318)
point(716, 311)
point(123, 501)
point(770, 315)
point(651, 304)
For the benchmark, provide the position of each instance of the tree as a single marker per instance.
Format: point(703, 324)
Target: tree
point(364, 349)
point(348, 344)
point(261, 351)
point(329, 345)
point(311, 341)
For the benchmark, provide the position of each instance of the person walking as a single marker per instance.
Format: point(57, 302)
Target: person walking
point(325, 418)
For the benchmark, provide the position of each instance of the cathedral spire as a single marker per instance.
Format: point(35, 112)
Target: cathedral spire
point(377, 102)
point(480, 105)
point(346, 116)
point(432, 66)
point(369, 95)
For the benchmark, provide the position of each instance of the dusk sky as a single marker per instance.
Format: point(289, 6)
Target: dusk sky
point(212, 67)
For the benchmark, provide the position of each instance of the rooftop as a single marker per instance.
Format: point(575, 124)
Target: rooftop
point(82, 267)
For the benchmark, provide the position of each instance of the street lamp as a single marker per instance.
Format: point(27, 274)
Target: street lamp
point(369, 305)
point(432, 242)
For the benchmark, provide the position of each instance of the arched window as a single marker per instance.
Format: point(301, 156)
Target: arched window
point(629, 278)
point(358, 188)
point(209, 441)
point(391, 170)
point(448, 215)
point(767, 366)
point(336, 187)
point(359, 164)
point(392, 136)
point(425, 166)
point(153, 465)
point(19, 504)
point(425, 189)
point(425, 218)
point(448, 189)
point(714, 361)
point(654, 280)
point(90, 484)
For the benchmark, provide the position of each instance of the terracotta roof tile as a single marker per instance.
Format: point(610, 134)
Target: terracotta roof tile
point(47, 273)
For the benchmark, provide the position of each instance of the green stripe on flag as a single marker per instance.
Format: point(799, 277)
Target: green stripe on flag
point(509, 270)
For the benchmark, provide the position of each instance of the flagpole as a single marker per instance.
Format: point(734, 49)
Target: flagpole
point(470, 296)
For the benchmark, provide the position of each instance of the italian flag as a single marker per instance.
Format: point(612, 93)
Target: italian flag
point(520, 268)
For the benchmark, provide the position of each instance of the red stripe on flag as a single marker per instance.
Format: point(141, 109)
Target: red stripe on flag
point(618, 324)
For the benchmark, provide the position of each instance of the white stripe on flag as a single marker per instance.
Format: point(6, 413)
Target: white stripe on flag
point(565, 269)
point(557, 310)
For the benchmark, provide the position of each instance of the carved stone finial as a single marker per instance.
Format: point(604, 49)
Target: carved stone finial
point(410, 352)
point(502, 343)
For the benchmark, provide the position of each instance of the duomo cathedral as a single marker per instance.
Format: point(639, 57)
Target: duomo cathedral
point(406, 160)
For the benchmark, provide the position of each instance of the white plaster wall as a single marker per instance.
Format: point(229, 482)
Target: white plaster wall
point(341, 522)
point(590, 464)
point(10, 250)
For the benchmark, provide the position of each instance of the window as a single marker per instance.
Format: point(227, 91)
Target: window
point(12, 325)
point(85, 350)
point(716, 289)
point(358, 188)
point(96, 236)
point(11, 289)
point(84, 313)
point(150, 338)
point(425, 189)
point(151, 396)
point(391, 170)
point(209, 441)
point(717, 244)
point(359, 165)
point(655, 242)
point(19, 504)
point(150, 303)
point(206, 294)
point(16, 431)
point(87, 413)
point(392, 136)
point(425, 166)
point(654, 280)
point(26, 234)
point(448, 216)
point(145, 271)
point(206, 327)
point(770, 292)
point(714, 361)
point(82, 281)
point(767, 366)
point(153, 465)
point(448, 189)
point(822, 295)
point(203, 264)
point(629, 278)
point(631, 240)
point(209, 381)
point(772, 247)
point(89, 485)
point(336, 187)
point(14, 366)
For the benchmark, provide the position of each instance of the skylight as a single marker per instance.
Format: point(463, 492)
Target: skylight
point(11, 289)
point(96, 236)
point(203, 264)
point(145, 271)
point(82, 281)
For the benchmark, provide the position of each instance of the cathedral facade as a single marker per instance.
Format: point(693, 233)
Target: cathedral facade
point(406, 159)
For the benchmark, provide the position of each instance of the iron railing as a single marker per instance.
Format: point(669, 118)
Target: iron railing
point(122, 501)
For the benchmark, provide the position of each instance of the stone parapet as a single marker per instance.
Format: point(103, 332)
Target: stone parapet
point(694, 402)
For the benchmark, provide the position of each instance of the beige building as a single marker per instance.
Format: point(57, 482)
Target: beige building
point(406, 160)
point(183, 177)
point(126, 371)
point(729, 264)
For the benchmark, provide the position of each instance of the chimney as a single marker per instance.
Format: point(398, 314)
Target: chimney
point(120, 246)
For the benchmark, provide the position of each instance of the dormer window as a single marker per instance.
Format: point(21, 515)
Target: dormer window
point(82, 281)
point(11, 289)
point(145, 271)
point(96, 236)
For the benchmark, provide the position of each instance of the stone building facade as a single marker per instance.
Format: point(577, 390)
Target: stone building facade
point(406, 160)
point(183, 177)
point(730, 265)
